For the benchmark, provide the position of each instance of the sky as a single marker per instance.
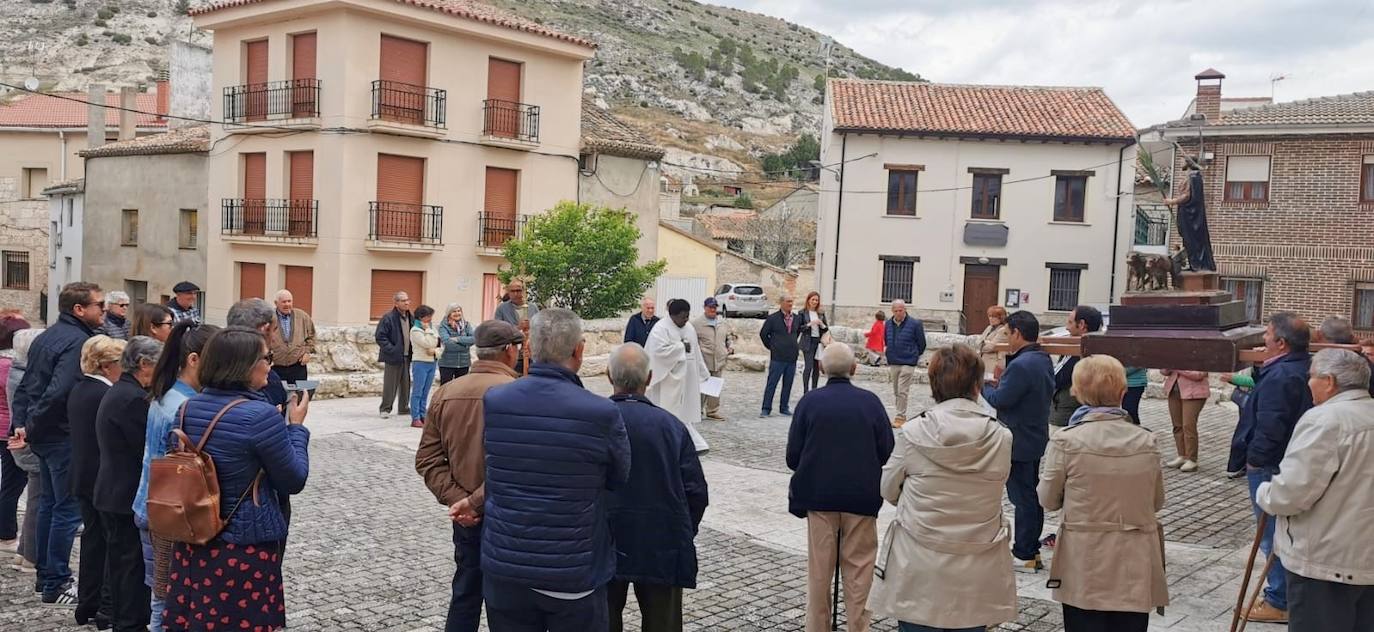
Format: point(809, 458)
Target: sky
point(1143, 53)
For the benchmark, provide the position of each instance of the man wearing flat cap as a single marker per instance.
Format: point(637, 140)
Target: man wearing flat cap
point(183, 304)
point(452, 461)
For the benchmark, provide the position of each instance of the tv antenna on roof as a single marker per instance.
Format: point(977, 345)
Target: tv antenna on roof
point(1273, 81)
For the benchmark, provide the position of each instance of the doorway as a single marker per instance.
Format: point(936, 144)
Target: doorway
point(981, 285)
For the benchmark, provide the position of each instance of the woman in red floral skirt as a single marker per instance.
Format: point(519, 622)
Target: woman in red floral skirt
point(234, 582)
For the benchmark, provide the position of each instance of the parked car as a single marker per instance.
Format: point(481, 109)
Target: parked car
point(742, 299)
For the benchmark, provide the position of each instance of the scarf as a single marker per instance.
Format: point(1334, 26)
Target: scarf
point(1084, 411)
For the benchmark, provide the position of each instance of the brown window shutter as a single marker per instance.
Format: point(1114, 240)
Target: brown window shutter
point(254, 193)
point(255, 74)
point(302, 192)
point(503, 84)
point(403, 60)
point(400, 194)
point(300, 282)
point(252, 280)
point(501, 197)
point(385, 284)
point(303, 56)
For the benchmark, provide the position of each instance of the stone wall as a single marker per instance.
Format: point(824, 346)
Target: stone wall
point(24, 228)
point(733, 268)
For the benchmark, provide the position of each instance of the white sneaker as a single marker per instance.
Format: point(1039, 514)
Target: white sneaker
point(383, 415)
point(9, 546)
point(1188, 466)
point(1176, 462)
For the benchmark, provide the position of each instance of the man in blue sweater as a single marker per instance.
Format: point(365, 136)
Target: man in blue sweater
point(554, 453)
point(1022, 398)
point(906, 341)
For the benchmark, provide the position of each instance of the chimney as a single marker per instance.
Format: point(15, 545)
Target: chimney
point(128, 100)
point(95, 116)
point(1208, 101)
point(164, 96)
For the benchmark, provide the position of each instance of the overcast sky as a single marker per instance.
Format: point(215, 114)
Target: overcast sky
point(1143, 53)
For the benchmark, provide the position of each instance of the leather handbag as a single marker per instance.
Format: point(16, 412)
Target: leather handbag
point(183, 488)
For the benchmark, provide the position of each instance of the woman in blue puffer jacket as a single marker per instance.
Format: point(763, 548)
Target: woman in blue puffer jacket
point(256, 457)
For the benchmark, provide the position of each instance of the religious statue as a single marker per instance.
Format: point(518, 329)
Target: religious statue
point(1192, 221)
point(1147, 272)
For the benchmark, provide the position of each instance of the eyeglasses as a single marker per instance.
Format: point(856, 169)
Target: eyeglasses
point(166, 323)
point(121, 305)
point(268, 357)
point(100, 304)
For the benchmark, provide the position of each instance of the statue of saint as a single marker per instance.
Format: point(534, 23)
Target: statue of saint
point(1192, 222)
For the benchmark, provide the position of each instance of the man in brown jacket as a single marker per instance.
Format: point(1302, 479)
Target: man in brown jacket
point(452, 461)
point(716, 337)
point(291, 340)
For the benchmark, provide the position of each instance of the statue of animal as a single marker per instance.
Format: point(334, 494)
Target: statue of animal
point(1149, 272)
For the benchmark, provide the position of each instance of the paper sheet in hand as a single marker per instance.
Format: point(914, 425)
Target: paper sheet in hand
point(711, 386)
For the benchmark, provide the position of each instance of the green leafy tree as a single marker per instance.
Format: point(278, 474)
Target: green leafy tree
point(796, 161)
point(583, 258)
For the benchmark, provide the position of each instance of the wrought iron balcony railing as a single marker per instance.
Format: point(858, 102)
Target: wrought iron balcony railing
point(1152, 225)
point(285, 219)
point(508, 119)
point(274, 100)
point(408, 103)
point(493, 231)
point(404, 222)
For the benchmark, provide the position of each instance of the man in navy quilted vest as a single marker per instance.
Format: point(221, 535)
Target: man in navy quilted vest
point(554, 452)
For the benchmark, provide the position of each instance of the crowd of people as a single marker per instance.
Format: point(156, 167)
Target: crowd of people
point(558, 512)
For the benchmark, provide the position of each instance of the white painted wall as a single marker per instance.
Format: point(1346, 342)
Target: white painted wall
point(65, 216)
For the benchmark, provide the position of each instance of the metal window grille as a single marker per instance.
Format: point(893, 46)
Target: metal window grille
point(1249, 290)
point(1152, 225)
point(1364, 307)
point(898, 279)
point(16, 270)
point(189, 228)
point(1063, 289)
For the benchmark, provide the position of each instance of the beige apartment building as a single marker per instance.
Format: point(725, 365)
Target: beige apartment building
point(372, 146)
point(955, 198)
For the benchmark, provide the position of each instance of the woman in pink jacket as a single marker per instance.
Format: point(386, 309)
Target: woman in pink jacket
point(1188, 392)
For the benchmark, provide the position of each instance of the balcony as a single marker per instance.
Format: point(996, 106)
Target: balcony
point(510, 124)
point(407, 109)
point(404, 226)
point(293, 103)
point(1152, 222)
point(493, 231)
point(282, 222)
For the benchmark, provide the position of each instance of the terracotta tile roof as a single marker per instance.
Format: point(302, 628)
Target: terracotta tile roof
point(185, 140)
point(604, 133)
point(968, 110)
point(1346, 109)
point(737, 225)
point(466, 9)
point(68, 109)
point(77, 185)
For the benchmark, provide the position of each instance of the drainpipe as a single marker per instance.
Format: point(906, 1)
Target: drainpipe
point(1116, 221)
point(839, 214)
point(62, 136)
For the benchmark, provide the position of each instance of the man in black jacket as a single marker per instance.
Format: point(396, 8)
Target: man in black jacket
point(393, 351)
point(1082, 321)
point(40, 414)
point(781, 335)
point(638, 328)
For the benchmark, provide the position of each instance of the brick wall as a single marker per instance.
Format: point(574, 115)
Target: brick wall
point(1313, 240)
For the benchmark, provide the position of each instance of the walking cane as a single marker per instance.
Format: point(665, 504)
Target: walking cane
point(1254, 596)
point(835, 598)
point(1236, 616)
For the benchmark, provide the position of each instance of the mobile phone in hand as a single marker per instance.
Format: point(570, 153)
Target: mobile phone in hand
point(301, 385)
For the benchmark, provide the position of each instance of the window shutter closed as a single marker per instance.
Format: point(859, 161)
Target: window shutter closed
point(252, 280)
point(501, 197)
point(403, 60)
point(1247, 169)
point(255, 74)
point(302, 175)
point(254, 193)
point(503, 80)
point(303, 56)
point(400, 179)
point(300, 282)
point(385, 284)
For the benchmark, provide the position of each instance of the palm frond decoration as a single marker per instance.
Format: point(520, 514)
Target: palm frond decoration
point(1152, 171)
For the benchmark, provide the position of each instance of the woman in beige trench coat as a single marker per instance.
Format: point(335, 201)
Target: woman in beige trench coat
point(1102, 473)
point(943, 562)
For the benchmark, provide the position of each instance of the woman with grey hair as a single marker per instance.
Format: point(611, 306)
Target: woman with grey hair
point(456, 337)
point(1323, 497)
point(120, 427)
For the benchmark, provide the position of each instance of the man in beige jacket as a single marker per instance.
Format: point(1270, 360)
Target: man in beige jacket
point(1323, 497)
point(291, 340)
point(716, 338)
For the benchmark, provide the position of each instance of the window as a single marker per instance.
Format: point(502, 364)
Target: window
point(735, 245)
point(1064, 288)
point(1069, 194)
point(899, 275)
point(69, 204)
point(16, 270)
point(1364, 306)
point(987, 195)
point(1249, 290)
point(1247, 179)
point(188, 237)
point(137, 291)
point(901, 192)
point(128, 233)
point(35, 180)
point(1367, 180)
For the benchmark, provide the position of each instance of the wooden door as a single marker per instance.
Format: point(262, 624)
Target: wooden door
point(981, 286)
point(491, 295)
point(385, 284)
point(255, 76)
point(400, 196)
point(252, 280)
point(302, 205)
point(404, 71)
point(503, 94)
point(303, 47)
point(501, 200)
point(255, 193)
point(300, 282)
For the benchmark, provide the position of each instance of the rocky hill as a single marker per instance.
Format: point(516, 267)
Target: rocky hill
point(718, 86)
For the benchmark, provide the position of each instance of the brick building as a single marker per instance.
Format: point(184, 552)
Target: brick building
point(1290, 192)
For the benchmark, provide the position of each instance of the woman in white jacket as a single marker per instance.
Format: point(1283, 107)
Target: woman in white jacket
point(424, 347)
point(943, 564)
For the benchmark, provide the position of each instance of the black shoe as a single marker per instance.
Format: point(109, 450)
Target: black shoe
point(64, 597)
point(38, 587)
point(785, 413)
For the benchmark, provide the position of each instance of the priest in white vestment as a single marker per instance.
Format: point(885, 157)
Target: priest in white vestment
point(678, 368)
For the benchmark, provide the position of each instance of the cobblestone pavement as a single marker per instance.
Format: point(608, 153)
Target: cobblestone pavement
point(371, 550)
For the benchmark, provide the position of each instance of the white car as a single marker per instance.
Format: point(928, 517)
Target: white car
point(741, 299)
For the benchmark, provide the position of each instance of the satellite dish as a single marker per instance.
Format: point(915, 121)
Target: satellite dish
point(31, 84)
